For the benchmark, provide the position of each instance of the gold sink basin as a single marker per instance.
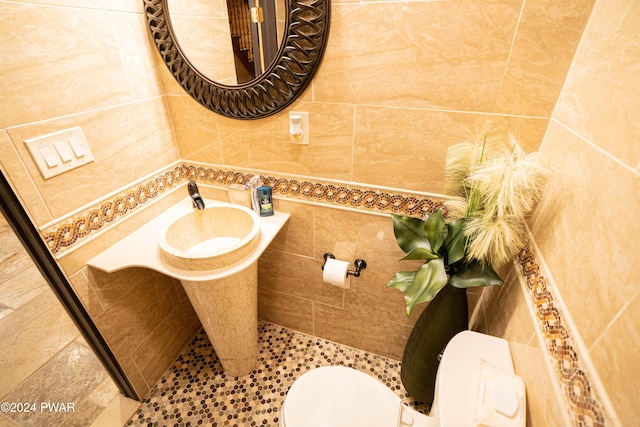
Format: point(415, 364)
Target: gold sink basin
point(212, 238)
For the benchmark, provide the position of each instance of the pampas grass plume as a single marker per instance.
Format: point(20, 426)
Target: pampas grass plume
point(497, 184)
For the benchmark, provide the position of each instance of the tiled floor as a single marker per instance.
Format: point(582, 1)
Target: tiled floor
point(43, 358)
point(195, 390)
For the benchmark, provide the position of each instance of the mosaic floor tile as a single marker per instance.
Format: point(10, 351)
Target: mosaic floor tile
point(196, 391)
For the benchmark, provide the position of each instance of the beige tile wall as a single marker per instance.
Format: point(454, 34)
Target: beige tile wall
point(593, 147)
point(292, 293)
point(90, 63)
point(586, 226)
point(403, 81)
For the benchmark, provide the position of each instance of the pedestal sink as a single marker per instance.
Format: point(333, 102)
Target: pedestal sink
point(214, 238)
point(214, 253)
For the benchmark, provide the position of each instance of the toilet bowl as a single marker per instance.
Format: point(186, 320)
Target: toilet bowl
point(475, 386)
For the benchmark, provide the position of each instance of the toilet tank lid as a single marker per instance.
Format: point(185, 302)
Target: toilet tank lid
point(459, 374)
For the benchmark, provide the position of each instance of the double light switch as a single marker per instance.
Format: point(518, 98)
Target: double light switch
point(59, 152)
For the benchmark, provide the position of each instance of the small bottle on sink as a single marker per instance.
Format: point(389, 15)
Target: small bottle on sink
point(265, 200)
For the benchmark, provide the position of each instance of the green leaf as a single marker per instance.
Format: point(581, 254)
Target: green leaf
point(410, 233)
point(420, 253)
point(402, 280)
point(428, 281)
point(475, 274)
point(433, 226)
point(456, 241)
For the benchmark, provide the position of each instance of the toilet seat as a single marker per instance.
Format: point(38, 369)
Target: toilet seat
point(338, 396)
point(475, 385)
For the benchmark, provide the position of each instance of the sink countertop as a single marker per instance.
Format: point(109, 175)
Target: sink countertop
point(141, 248)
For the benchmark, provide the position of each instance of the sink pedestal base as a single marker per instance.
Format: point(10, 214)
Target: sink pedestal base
point(228, 310)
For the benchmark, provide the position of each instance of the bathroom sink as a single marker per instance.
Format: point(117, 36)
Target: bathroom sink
point(211, 238)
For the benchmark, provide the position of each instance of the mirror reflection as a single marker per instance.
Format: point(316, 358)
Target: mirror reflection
point(229, 41)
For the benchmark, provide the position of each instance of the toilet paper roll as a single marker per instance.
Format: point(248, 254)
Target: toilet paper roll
point(335, 272)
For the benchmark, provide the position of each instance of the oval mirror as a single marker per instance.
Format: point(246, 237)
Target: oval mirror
point(263, 74)
point(245, 36)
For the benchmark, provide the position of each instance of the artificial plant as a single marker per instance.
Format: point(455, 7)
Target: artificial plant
point(495, 184)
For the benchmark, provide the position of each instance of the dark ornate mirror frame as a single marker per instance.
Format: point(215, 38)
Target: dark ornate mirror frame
point(305, 39)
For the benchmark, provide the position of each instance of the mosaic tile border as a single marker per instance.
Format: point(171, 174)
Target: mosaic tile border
point(585, 407)
point(71, 232)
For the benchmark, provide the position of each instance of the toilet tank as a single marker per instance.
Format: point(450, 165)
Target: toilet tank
point(476, 384)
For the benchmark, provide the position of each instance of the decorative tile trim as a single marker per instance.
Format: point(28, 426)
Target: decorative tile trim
point(78, 228)
point(583, 402)
point(70, 233)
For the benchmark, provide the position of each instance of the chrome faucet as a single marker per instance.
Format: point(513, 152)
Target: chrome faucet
point(196, 199)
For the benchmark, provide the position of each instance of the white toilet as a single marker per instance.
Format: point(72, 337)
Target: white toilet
point(475, 386)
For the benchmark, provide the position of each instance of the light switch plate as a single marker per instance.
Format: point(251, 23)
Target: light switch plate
point(70, 142)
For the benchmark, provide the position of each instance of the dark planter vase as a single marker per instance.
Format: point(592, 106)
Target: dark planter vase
point(445, 316)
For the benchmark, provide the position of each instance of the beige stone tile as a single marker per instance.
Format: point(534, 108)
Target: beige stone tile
point(18, 176)
point(134, 376)
point(375, 335)
point(40, 337)
point(51, 47)
point(85, 292)
point(5, 422)
point(123, 5)
point(69, 377)
point(128, 322)
point(407, 148)
point(454, 63)
point(5, 311)
point(104, 393)
point(296, 276)
point(507, 312)
point(127, 142)
point(615, 356)
point(266, 146)
point(49, 332)
point(285, 310)
point(161, 348)
point(196, 130)
point(22, 287)
point(296, 236)
point(601, 95)
point(138, 54)
point(13, 256)
point(542, 51)
point(124, 148)
point(110, 287)
point(544, 406)
point(17, 319)
point(117, 412)
point(587, 230)
point(349, 235)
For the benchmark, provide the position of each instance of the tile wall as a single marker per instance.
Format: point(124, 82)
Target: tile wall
point(587, 235)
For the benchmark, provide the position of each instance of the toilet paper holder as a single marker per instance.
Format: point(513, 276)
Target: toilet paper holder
point(360, 264)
